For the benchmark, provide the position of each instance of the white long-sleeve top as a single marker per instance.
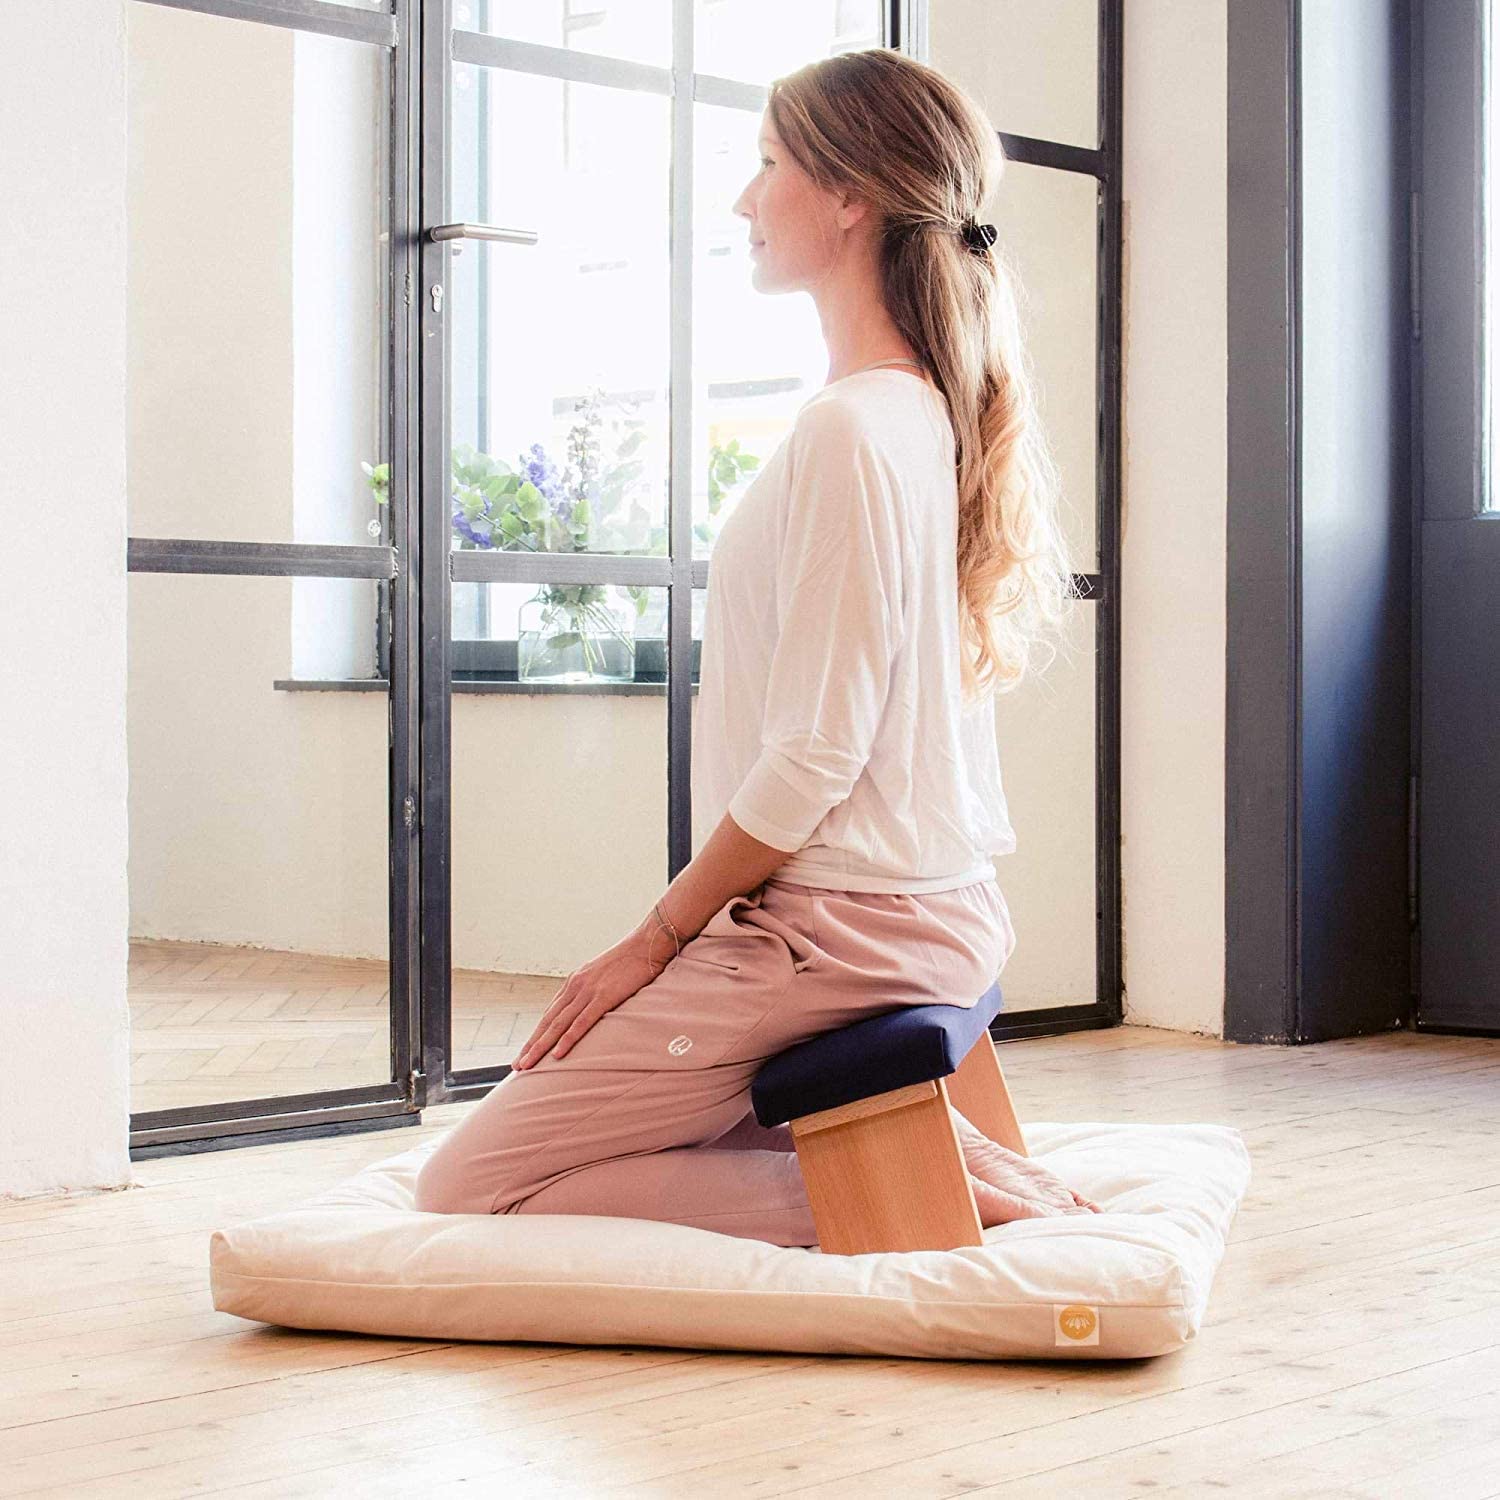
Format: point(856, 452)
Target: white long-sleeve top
point(830, 719)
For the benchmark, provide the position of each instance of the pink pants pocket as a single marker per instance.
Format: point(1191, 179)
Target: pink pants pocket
point(743, 935)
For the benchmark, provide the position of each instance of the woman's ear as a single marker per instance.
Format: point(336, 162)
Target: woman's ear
point(851, 210)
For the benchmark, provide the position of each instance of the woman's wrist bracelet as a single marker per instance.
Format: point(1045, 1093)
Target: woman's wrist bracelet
point(664, 923)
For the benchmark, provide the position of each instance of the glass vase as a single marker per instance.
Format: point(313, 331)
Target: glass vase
point(575, 633)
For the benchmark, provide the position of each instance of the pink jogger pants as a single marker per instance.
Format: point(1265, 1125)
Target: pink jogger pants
point(648, 1116)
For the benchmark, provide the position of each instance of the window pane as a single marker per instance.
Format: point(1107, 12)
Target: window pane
point(259, 845)
point(1047, 221)
point(759, 356)
point(755, 41)
point(636, 30)
point(258, 212)
point(559, 843)
point(560, 354)
point(1046, 731)
point(1033, 64)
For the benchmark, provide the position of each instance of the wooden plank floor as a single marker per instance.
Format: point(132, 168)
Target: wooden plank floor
point(1351, 1347)
point(212, 1023)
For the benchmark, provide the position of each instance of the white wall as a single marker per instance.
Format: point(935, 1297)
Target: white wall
point(64, 1111)
point(257, 816)
point(1175, 502)
point(1031, 68)
point(339, 176)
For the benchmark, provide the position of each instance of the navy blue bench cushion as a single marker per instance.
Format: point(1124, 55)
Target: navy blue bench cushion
point(913, 1044)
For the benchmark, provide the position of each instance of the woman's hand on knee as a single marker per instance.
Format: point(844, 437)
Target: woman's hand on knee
point(587, 995)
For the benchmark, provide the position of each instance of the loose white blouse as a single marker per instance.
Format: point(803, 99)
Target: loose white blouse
point(830, 720)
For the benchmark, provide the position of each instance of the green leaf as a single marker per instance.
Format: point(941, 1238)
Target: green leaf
point(529, 501)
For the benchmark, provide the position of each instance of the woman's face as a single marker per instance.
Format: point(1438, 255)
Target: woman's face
point(795, 227)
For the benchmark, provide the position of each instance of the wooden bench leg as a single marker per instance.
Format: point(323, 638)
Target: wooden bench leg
point(979, 1094)
point(887, 1173)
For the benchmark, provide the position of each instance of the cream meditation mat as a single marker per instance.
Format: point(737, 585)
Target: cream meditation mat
point(1131, 1281)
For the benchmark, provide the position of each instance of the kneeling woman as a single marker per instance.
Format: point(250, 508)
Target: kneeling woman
point(846, 733)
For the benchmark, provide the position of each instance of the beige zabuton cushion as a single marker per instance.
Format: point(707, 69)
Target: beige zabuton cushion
point(1128, 1282)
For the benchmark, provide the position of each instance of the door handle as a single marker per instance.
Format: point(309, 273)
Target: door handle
point(480, 232)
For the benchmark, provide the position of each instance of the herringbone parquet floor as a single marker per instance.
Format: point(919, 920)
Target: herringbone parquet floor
point(212, 1023)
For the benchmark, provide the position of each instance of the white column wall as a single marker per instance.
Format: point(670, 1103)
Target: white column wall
point(1175, 443)
point(64, 1111)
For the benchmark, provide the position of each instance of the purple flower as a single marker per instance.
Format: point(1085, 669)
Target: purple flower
point(543, 473)
point(480, 532)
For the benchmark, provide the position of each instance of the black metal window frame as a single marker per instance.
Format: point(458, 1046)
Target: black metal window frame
point(417, 565)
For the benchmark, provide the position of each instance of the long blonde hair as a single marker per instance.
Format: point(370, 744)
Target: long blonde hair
point(900, 136)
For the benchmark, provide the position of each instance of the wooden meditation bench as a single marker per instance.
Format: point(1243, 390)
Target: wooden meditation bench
point(868, 1106)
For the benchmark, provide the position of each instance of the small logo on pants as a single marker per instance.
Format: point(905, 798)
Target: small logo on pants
point(679, 1044)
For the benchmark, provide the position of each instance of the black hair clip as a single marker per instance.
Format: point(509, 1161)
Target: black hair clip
point(978, 236)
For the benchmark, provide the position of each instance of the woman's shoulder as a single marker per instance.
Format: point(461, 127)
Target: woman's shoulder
point(844, 413)
point(886, 423)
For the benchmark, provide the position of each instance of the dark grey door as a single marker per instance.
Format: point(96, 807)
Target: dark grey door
point(1458, 531)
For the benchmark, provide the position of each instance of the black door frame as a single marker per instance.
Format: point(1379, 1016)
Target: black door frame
point(1321, 743)
point(1456, 533)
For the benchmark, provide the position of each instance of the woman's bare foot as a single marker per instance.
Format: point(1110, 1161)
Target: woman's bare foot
point(1015, 1186)
point(998, 1206)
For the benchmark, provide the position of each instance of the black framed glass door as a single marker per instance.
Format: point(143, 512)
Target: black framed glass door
point(271, 679)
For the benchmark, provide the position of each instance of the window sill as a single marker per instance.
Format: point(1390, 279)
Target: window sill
point(475, 685)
